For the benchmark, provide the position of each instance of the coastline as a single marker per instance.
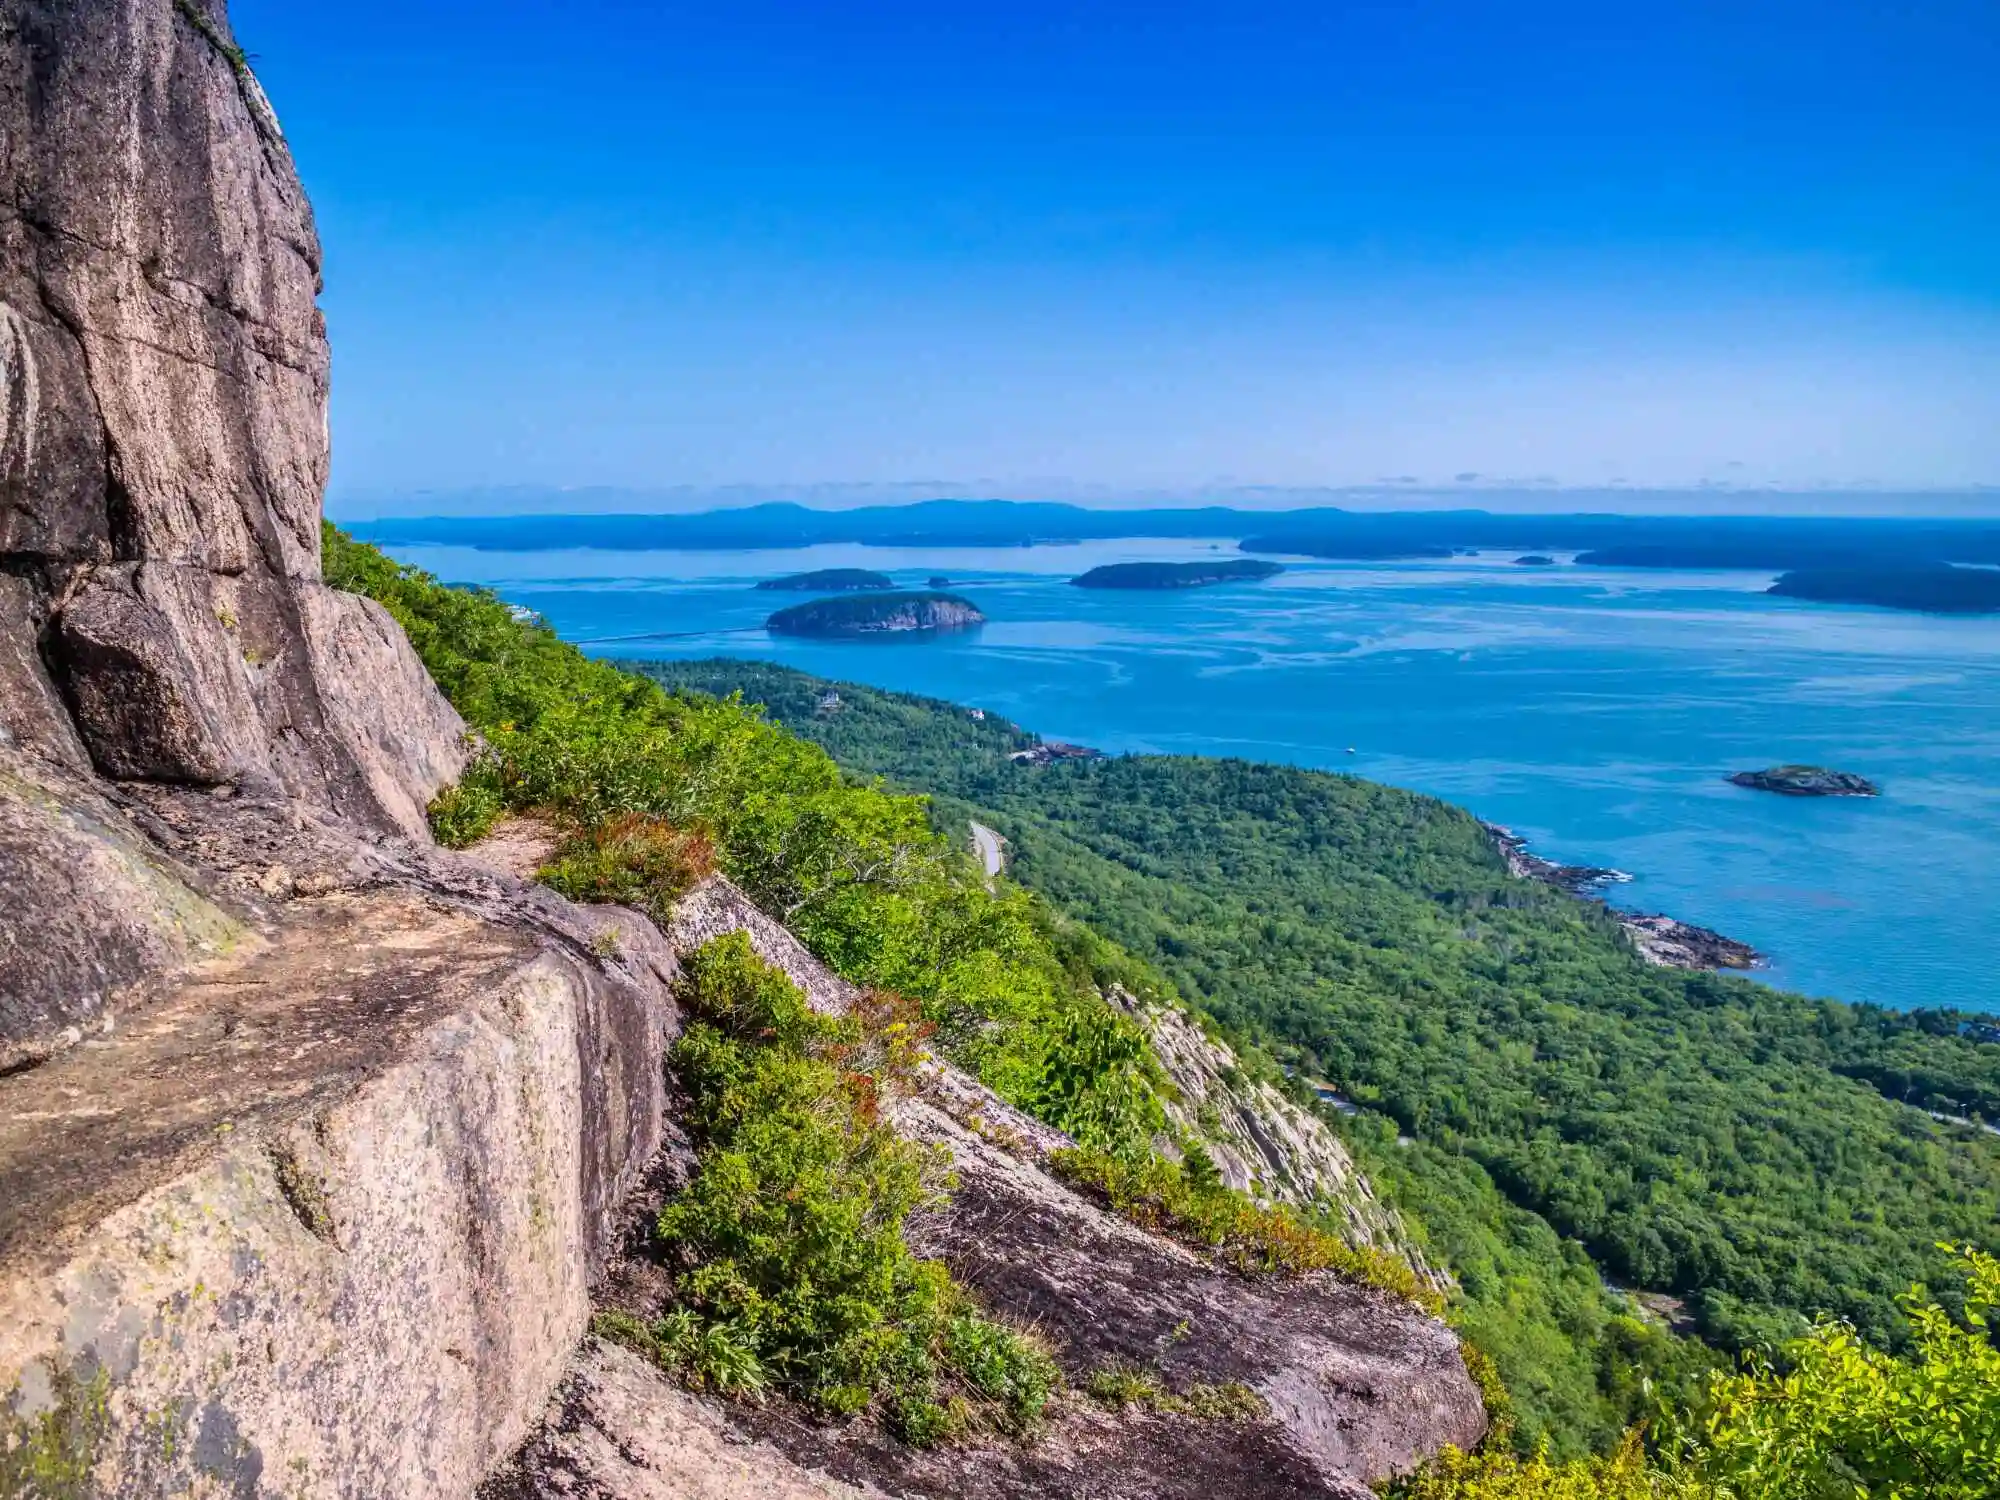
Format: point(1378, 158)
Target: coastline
point(1660, 939)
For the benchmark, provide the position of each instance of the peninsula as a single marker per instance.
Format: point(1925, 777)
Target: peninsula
point(877, 614)
point(1806, 781)
point(1938, 589)
point(1193, 575)
point(831, 581)
point(1663, 941)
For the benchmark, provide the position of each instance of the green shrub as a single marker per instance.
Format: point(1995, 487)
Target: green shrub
point(791, 1270)
point(50, 1455)
point(1833, 1420)
point(632, 860)
point(1841, 1418)
point(1501, 1474)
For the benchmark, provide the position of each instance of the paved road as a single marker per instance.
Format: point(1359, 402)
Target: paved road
point(989, 843)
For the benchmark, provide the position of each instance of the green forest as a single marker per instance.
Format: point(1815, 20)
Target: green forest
point(1541, 1102)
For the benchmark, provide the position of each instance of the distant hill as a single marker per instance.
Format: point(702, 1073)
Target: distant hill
point(877, 614)
point(832, 581)
point(1939, 590)
point(1716, 541)
point(1192, 575)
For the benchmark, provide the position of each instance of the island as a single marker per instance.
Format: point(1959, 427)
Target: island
point(1806, 781)
point(937, 581)
point(1938, 588)
point(831, 581)
point(1347, 548)
point(877, 614)
point(1193, 575)
point(1535, 560)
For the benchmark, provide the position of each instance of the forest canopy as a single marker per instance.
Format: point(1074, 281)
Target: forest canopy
point(1758, 1157)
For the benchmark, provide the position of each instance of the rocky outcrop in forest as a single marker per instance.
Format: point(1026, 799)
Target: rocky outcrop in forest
point(1262, 1141)
point(318, 1143)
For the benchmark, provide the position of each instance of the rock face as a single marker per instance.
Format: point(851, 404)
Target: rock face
point(1806, 781)
point(1263, 1142)
point(322, 1218)
point(163, 448)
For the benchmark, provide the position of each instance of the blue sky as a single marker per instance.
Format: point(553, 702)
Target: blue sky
point(1121, 249)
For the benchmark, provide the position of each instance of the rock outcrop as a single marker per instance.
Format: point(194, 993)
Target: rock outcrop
point(1806, 781)
point(317, 1142)
point(163, 448)
point(1262, 1141)
point(322, 1218)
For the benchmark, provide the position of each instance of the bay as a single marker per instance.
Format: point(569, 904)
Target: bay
point(1594, 711)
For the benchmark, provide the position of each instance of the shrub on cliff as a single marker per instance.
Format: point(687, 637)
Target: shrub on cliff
point(791, 1266)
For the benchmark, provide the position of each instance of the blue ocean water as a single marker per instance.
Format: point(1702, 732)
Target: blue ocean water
point(1594, 711)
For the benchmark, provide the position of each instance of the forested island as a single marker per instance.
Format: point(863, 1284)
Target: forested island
point(1759, 1156)
point(1939, 589)
point(831, 581)
point(1806, 781)
point(1346, 548)
point(1535, 560)
point(877, 614)
point(1191, 575)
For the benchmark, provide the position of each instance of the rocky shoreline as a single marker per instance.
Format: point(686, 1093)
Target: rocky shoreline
point(1663, 940)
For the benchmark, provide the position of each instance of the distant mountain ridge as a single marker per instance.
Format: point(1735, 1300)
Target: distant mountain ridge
point(1772, 543)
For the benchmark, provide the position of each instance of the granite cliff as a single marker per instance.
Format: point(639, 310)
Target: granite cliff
point(318, 1142)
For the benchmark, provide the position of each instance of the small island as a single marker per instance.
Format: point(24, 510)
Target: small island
point(1535, 560)
point(877, 614)
point(1194, 575)
point(1806, 781)
point(1938, 589)
point(937, 581)
point(831, 581)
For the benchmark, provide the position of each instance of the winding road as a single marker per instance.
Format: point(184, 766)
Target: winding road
point(989, 846)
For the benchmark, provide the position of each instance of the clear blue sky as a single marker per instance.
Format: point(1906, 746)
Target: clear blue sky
point(1123, 247)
